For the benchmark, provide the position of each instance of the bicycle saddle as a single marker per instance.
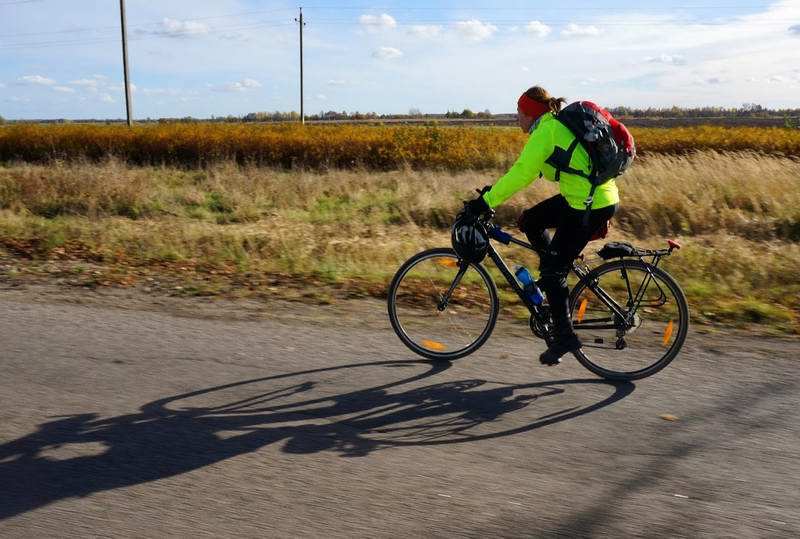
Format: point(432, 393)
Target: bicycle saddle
point(617, 249)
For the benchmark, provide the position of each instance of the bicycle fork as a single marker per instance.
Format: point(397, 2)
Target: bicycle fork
point(445, 299)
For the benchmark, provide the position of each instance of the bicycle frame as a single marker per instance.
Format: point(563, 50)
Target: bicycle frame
point(583, 274)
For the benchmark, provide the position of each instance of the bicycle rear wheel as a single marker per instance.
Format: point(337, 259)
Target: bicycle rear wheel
point(657, 320)
point(429, 325)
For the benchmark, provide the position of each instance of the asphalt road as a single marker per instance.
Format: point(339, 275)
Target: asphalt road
point(299, 421)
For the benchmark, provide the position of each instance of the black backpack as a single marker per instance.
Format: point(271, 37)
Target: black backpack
point(607, 141)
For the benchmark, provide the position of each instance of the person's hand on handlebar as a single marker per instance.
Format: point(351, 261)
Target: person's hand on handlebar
point(478, 207)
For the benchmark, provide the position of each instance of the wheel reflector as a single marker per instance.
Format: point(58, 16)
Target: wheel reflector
point(668, 333)
point(582, 309)
point(447, 262)
point(433, 345)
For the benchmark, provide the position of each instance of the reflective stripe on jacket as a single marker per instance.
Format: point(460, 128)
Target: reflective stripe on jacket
point(547, 134)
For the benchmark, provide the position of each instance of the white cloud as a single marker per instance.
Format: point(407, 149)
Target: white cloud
point(322, 97)
point(475, 30)
point(713, 80)
point(336, 82)
point(241, 86)
point(795, 30)
point(671, 59)
point(89, 83)
point(15, 99)
point(425, 31)
point(121, 87)
point(160, 91)
point(105, 98)
point(537, 28)
point(35, 79)
point(2, 85)
point(588, 81)
point(374, 23)
point(240, 37)
point(525, 69)
point(732, 48)
point(100, 77)
point(573, 29)
point(64, 89)
point(777, 79)
point(387, 53)
point(183, 28)
point(174, 28)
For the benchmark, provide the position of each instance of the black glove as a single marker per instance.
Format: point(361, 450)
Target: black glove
point(476, 207)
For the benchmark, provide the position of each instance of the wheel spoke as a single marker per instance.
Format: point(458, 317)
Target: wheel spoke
point(441, 309)
point(651, 330)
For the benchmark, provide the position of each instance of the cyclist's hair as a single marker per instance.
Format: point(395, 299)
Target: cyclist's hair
point(537, 93)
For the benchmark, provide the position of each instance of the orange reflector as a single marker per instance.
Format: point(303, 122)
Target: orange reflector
point(668, 333)
point(447, 262)
point(433, 345)
point(582, 309)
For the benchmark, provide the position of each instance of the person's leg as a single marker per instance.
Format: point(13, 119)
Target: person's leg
point(570, 239)
point(535, 221)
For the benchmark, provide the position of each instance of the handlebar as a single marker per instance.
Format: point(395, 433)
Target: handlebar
point(486, 189)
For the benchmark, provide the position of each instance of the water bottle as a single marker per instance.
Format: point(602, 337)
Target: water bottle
point(532, 291)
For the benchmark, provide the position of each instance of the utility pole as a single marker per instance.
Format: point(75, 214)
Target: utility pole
point(128, 104)
point(300, 20)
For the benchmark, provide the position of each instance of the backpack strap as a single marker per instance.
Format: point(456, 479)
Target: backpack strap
point(588, 205)
point(560, 160)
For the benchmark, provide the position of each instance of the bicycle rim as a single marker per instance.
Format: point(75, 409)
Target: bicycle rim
point(431, 327)
point(649, 340)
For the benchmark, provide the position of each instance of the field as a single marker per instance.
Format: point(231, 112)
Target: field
point(330, 233)
point(318, 147)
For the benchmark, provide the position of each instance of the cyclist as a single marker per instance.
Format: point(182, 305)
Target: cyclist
point(564, 212)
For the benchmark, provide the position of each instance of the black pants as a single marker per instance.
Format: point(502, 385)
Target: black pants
point(558, 253)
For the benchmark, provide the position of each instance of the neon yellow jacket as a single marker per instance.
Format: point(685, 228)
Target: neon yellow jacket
point(548, 133)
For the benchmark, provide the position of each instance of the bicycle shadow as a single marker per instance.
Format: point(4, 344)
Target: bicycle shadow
point(173, 435)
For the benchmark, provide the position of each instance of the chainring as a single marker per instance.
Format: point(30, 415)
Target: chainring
point(540, 329)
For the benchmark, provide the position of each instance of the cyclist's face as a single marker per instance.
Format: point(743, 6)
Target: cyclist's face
point(525, 122)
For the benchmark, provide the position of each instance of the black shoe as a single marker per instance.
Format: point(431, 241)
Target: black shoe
point(560, 346)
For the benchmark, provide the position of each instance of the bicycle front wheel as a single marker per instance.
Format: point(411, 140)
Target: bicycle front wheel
point(442, 310)
point(651, 331)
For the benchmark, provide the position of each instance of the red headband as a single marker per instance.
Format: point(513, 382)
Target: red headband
point(531, 107)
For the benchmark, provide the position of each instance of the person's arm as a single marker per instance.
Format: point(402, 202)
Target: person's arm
point(525, 170)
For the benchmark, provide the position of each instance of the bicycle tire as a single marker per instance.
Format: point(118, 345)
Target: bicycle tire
point(683, 326)
point(398, 327)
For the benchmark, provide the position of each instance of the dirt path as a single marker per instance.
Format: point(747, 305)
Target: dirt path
point(129, 416)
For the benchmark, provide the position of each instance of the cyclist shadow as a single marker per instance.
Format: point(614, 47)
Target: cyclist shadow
point(168, 438)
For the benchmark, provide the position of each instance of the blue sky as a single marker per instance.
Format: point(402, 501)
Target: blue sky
point(62, 58)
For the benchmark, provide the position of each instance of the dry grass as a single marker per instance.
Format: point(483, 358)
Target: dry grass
point(747, 194)
point(736, 214)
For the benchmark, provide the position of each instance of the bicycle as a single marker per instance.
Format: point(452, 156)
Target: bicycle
point(445, 308)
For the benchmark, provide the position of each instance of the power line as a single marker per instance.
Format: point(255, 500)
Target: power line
point(507, 22)
point(375, 8)
point(144, 33)
point(156, 34)
point(536, 9)
point(144, 24)
point(161, 35)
